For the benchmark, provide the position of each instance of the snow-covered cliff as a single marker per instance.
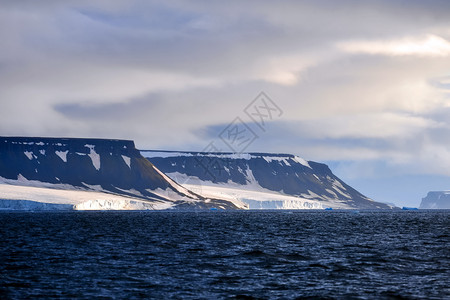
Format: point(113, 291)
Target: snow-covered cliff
point(108, 166)
point(261, 180)
point(436, 200)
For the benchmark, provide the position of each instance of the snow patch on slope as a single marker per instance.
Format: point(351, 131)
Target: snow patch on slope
point(127, 160)
point(95, 157)
point(163, 154)
point(94, 187)
point(29, 154)
point(340, 189)
point(131, 191)
point(62, 155)
point(169, 194)
point(285, 160)
point(22, 181)
point(253, 195)
point(179, 188)
point(256, 199)
point(302, 161)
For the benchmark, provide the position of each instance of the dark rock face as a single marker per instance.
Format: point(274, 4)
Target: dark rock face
point(436, 200)
point(114, 166)
point(283, 173)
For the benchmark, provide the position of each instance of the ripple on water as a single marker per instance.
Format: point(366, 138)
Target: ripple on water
point(220, 255)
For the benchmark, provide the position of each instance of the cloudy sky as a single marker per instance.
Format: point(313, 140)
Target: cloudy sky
point(361, 85)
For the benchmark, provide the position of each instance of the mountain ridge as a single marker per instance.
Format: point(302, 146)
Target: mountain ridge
point(106, 165)
point(276, 173)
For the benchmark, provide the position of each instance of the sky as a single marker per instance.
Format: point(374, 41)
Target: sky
point(363, 86)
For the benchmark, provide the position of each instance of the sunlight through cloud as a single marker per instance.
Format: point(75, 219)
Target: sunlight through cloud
point(432, 45)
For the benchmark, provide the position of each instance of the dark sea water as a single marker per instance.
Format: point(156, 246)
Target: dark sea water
point(225, 255)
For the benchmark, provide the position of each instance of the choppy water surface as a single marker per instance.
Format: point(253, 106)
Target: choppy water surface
point(210, 255)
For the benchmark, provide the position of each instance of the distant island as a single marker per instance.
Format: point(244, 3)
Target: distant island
point(436, 200)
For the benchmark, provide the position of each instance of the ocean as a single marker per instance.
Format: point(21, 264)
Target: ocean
point(225, 255)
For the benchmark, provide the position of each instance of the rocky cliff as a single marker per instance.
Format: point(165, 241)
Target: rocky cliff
point(436, 200)
point(309, 184)
point(112, 166)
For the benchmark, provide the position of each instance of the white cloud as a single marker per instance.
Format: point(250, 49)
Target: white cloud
point(58, 82)
point(431, 45)
point(286, 69)
point(206, 62)
point(384, 125)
